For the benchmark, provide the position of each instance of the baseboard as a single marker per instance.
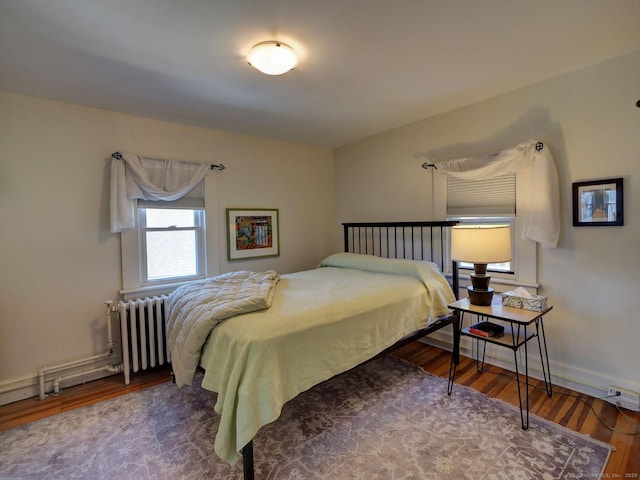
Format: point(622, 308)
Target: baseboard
point(29, 387)
point(575, 378)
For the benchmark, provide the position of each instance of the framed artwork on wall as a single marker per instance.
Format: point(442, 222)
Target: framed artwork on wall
point(598, 203)
point(252, 233)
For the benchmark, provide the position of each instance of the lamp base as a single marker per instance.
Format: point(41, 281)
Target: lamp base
point(480, 297)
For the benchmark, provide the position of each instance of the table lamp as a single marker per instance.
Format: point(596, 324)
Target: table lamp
point(480, 245)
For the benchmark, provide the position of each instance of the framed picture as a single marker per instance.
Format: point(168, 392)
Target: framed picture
point(252, 233)
point(598, 203)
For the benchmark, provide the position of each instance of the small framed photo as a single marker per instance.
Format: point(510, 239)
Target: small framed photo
point(598, 203)
point(252, 233)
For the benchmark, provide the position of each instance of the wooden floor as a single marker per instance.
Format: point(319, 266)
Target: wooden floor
point(573, 411)
point(30, 410)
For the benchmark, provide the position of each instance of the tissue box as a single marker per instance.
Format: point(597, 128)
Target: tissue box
point(537, 303)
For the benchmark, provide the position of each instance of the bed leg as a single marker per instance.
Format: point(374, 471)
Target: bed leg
point(247, 461)
point(456, 338)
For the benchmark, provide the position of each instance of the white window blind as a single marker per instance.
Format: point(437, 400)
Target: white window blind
point(492, 196)
point(194, 199)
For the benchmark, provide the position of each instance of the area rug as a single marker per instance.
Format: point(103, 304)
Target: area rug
point(386, 420)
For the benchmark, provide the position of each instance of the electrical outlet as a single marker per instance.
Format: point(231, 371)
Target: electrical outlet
point(627, 399)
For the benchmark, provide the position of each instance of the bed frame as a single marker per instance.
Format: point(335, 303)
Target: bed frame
point(408, 240)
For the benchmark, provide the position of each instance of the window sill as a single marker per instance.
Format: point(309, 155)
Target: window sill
point(151, 290)
point(506, 284)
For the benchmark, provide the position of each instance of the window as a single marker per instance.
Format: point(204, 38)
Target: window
point(489, 197)
point(171, 244)
point(168, 246)
point(484, 202)
point(493, 201)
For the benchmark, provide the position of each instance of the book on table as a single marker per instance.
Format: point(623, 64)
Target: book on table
point(487, 329)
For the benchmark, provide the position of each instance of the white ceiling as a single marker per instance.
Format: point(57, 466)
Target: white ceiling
point(366, 66)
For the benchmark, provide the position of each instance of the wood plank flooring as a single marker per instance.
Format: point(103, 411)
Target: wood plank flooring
point(572, 410)
point(32, 409)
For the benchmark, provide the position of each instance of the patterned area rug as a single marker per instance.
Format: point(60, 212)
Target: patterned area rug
point(383, 420)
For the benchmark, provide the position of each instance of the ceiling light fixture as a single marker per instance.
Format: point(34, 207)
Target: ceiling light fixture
point(272, 57)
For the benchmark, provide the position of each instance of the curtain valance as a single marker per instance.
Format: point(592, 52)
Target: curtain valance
point(134, 177)
point(542, 213)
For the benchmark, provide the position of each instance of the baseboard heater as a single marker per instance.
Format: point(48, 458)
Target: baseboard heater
point(143, 334)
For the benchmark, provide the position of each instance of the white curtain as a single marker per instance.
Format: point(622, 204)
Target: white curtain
point(134, 177)
point(542, 212)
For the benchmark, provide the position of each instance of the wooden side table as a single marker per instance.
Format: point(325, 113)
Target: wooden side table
point(517, 333)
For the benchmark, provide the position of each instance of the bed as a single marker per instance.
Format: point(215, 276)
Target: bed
point(385, 289)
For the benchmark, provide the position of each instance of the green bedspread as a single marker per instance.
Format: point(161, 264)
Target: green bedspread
point(321, 323)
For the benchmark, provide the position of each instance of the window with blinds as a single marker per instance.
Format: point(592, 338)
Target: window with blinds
point(490, 197)
point(172, 238)
point(487, 202)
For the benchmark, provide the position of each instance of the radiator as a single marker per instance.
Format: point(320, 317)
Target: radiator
point(142, 330)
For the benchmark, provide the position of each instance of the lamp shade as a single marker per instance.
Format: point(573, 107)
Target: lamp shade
point(272, 57)
point(481, 244)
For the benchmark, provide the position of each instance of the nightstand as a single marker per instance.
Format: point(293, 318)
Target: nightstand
point(520, 326)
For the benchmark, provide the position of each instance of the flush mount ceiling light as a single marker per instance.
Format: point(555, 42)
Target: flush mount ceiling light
point(272, 57)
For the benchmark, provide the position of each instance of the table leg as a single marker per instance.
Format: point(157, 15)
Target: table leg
point(524, 410)
point(544, 356)
point(475, 350)
point(455, 355)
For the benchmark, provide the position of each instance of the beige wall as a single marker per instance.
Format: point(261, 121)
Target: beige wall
point(58, 260)
point(591, 124)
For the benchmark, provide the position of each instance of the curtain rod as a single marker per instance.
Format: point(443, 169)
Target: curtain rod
point(213, 166)
point(426, 165)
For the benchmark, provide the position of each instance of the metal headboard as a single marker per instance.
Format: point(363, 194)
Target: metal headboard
point(409, 240)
